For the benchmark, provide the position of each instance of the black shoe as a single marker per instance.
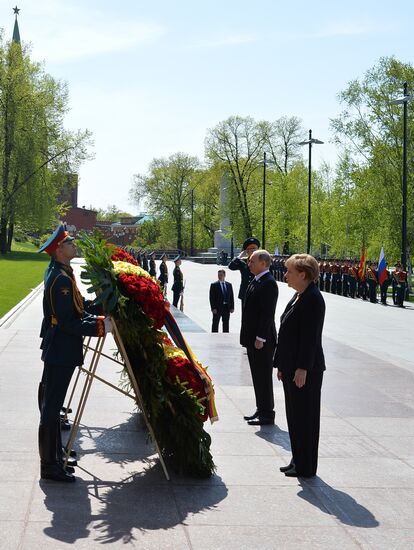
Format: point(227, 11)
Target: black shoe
point(72, 454)
point(288, 467)
point(55, 472)
point(261, 422)
point(252, 417)
point(293, 473)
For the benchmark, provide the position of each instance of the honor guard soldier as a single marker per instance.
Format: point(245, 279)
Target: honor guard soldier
point(352, 279)
point(145, 262)
point(178, 285)
point(321, 275)
point(240, 264)
point(384, 286)
point(328, 276)
point(401, 284)
point(163, 278)
point(67, 317)
point(345, 278)
point(152, 267)
point(372, 283)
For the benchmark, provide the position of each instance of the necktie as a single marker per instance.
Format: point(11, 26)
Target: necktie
point(224, 290)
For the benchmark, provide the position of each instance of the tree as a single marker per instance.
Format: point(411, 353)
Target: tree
point(111, 213)
point(166, 190)
point(283, 137)
point(35, 149)
point(371, 129)
point(237, 144)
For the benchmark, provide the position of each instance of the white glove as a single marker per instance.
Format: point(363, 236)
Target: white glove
point(108, 325)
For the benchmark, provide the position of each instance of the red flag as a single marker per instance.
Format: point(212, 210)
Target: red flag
point(362, 265)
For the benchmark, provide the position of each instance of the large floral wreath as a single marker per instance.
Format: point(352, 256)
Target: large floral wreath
point(177, 392)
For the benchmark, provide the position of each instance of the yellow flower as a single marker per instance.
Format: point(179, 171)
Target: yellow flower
point(130, 269)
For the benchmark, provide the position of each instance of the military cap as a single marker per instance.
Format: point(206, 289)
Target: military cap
point(150, 254)
point(164, 255)
point(177, 258)
point(251, 240)
point(59, 236)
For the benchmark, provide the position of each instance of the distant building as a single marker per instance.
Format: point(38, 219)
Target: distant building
point(80, 219)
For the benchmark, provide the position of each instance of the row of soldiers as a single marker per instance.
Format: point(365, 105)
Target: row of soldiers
point(147, 262)
point(343, 277)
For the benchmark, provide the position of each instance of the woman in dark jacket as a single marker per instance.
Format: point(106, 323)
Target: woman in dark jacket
point(300, 362)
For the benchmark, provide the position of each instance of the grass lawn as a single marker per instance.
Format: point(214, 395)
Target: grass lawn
point(20, 272)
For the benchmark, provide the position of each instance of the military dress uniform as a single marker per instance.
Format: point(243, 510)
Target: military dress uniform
point(401, 286)
point(163, 278)
point(67, 317)
point(372, 284)
point(145, 262)
point(178, 285)
point(352, 280)
point(152, 266)
point(241, 265)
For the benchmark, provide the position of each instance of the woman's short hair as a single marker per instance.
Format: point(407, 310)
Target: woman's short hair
point(304, 263)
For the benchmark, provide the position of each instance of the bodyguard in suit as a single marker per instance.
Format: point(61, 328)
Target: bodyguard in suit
point(221, 301)
point(241, 264)
point(178, 286)
point(67, 317)
point(300, 362)
point(258, 335)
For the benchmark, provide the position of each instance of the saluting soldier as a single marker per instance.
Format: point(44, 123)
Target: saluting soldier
point(145, 261)
point(163, 278)
point(178, 285)
point(67, 317)
point(152, 266)
point(401, 279)
point(240, 264)
point(372, 283)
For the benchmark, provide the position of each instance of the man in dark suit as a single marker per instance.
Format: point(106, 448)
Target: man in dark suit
point(221, 301)
point(241, 263)
point(258, 335)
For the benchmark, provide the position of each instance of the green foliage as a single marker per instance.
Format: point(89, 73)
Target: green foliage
point(36, 152)
point(171, 411)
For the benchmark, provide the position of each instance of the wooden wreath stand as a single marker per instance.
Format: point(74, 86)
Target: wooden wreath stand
point(90, 372)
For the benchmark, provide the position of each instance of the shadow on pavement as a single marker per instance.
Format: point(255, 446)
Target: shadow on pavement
point(273, 434)
point(336, 503)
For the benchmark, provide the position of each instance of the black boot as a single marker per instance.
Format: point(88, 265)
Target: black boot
point(61, 454)
point(50, 468)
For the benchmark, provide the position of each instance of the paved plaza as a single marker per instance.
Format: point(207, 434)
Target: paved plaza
point(363, 496)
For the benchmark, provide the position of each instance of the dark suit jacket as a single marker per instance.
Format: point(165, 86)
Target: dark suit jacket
point(258, 312)
point(217, 298)
point(246, 275)
point(300, 334)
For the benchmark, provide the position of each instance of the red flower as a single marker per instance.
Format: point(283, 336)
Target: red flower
point(120, 255)
point(182, 368)
point(148, 294)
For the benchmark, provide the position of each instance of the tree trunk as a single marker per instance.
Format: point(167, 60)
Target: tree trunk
point(10, 233)
point(3, 235)
point(179, 235)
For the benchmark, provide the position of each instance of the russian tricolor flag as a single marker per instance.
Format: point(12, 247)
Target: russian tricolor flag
point(382, 267)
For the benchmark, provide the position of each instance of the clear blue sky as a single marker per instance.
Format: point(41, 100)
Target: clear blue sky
point(148, 78)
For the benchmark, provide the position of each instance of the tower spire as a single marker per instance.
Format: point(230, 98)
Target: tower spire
point(16, 33)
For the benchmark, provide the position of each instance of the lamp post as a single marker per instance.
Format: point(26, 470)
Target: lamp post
point(264, 163)
point(404, 100)
point(310, 142)
point(192, 224)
